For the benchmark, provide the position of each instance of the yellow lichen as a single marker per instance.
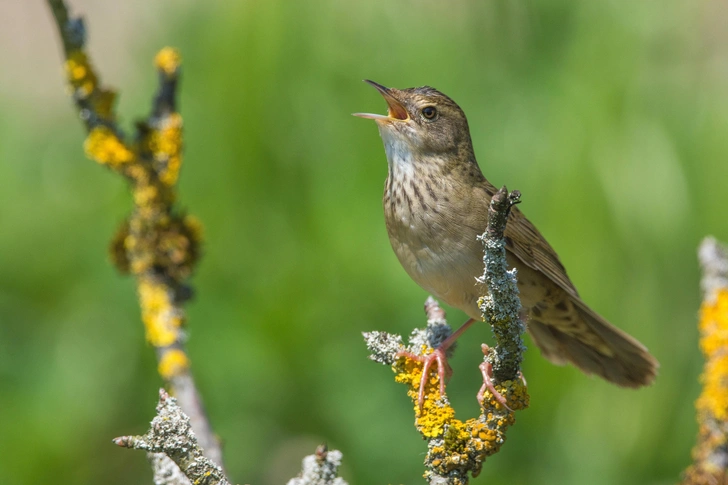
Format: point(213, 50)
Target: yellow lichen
point(145, 195)
point(168, 60)
point(161, 320)
point(457, 445)
point(714, 324)
point(514, 392)
point(714, 344)
point(433, 416)
point(173, 363)
point(103, 146)
point(80, 74)
point(165, 145)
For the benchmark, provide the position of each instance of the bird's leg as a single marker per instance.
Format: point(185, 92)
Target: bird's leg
point(486, 368)
point(438, 355)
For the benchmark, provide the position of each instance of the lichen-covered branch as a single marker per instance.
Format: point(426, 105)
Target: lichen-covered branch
point(321, 468)
point(501, 308)
point(171, 434)
point(457, 449)
point(710, 455)
point(159, 244)
point(94, 103)
point(166, 472)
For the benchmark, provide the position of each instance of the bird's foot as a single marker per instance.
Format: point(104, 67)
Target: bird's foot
point(443, 370)
point(486, 368)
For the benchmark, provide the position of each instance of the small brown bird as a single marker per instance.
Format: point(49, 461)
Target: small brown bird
point(436, 203)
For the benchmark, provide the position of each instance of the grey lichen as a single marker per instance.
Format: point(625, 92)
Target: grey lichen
point(436, 331)
point(713, 257)
point(501, 308)
point(170, 433)
point(384, 346)
point(320, 468)
point(166, 472)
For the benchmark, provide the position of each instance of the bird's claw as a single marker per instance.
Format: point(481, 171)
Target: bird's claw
point(486, 368)
point(443, 370)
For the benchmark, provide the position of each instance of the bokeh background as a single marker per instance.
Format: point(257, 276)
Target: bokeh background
point(611, 117)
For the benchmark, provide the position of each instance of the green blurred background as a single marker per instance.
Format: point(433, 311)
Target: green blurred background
point(611, 117)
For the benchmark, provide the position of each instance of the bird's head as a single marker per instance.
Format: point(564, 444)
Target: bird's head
point(421, 121)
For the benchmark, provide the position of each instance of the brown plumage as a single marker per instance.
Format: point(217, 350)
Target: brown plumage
point(436, 203)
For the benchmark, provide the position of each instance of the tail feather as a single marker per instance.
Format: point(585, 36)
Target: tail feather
point(626, 362)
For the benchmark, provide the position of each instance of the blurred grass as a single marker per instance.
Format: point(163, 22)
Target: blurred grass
point(610, 117)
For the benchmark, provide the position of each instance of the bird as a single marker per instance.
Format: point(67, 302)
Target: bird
point(435, 204)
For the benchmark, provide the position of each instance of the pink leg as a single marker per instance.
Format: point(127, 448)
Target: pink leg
point(438, 355)
point(487, 370)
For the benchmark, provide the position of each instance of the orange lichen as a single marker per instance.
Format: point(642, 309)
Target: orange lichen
point(433, 416)
point(714, 344)
point(103, 146)
point(161, 318)
point(712, 406)
point(168, 60)
point(514, 392)
point(173, 363)
point(455, 445)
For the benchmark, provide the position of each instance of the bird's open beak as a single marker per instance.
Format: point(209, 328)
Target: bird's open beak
point(395, 110)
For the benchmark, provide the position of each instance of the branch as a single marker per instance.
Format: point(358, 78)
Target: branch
point(93, 102)
point(457, 449)
point(501, 308)
point(166, 472)
point(710, 455)
point(159, 244)
point(170, 433)
point(320, 468)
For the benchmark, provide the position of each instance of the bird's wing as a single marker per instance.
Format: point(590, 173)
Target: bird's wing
point(528, 245)
point(593, 345)
point(524, 241)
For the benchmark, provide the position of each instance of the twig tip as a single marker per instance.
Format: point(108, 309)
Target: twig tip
point(123, 441)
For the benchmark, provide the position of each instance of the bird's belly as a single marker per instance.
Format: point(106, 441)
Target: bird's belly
point(448, 270)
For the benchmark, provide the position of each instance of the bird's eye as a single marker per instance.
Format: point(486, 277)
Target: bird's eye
point(429, 112)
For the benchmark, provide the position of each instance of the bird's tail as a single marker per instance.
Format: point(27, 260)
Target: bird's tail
point(573, 332)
